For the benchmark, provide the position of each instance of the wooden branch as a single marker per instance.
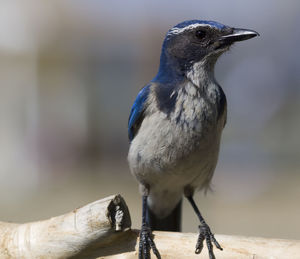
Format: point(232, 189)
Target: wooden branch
point(173, 245)
point(67, 235)
point(101, 230)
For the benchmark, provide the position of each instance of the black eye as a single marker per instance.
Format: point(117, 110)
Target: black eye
point(200, 34)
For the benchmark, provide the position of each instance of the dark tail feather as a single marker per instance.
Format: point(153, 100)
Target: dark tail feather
point(169, 223)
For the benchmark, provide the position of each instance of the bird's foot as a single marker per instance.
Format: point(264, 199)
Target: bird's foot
point(206, 234)
point(146, 244)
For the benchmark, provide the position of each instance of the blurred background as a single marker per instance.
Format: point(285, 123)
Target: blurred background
point(70, 71)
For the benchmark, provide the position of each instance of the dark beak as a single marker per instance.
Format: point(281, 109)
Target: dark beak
point(238, 35)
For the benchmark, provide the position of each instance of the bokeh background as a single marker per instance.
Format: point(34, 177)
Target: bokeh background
point(70, 71)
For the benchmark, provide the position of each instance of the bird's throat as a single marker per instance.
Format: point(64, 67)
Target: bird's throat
point(201, 73)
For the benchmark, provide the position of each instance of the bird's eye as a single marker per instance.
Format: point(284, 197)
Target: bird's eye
point(200, 34)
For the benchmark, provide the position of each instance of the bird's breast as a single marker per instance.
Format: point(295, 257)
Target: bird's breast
point(198, 111)
point(183, 142)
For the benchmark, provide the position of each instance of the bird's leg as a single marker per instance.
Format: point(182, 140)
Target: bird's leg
point(204, 233)
point(146, 240)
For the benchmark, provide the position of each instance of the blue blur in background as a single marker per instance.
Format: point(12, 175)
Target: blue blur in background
point(70, 70)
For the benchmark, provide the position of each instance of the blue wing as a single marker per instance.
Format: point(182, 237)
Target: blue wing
point(137, 112)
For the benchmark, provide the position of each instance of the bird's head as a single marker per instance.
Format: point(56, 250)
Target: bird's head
point(198, 41)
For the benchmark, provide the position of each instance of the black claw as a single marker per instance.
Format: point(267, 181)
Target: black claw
point(153, 247)
point(209, 247)
point(216, 242)
point(146, 244)
point(141, 246)
point(205, 234)
point(199, 244)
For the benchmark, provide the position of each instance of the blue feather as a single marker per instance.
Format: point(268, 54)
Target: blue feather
point(136, 113)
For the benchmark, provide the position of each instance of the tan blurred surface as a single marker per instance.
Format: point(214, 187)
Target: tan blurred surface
point(272, 213)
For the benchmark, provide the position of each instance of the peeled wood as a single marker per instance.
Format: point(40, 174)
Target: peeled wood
point(101, 230)
point(182, 246)
point(67, 235)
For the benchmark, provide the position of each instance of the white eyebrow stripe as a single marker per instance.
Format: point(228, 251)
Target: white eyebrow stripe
point(177, 30)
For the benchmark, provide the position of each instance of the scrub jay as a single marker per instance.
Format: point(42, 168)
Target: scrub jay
point(175, 127)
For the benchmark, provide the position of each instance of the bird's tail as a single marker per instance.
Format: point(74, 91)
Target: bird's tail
point(170, 223)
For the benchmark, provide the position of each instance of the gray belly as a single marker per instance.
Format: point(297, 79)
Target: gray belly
point(167, 157)
point(175, 155)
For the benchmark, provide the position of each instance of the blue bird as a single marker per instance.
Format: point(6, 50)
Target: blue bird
point(175, 128)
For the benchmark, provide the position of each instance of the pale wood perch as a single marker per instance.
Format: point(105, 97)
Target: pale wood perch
point(67, 235)
point(173, 245)
point(101, 230)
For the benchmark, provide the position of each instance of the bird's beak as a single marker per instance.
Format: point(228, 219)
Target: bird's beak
point(238, 35)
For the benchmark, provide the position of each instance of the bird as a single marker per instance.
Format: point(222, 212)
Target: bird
point(175, 127)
